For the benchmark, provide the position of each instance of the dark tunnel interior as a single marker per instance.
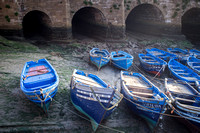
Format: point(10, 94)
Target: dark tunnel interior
point(191, 25)
point(36, 24)
point(88, 21)
point(146, 19)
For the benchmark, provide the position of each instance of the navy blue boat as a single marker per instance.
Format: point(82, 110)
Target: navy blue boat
point(99, 57)
point(194, 64)
point(39, 82)
point(152, 64)
point(180, 53)
point(184, 102)
point(166, 56)
point(93, 97)
point(182, 72)
point(121, 59)
point(142, 97)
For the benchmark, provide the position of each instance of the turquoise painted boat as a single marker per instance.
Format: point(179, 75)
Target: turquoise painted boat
point(99, 57)
point(121, 59)
point(93, 97)
point(39, 82)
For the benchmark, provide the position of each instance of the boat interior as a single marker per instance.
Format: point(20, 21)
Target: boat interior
point(38, 77)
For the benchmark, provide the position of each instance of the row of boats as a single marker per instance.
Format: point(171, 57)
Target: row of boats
point(97, 100)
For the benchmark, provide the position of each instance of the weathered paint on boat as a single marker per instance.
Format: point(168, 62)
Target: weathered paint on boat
point(39, 82)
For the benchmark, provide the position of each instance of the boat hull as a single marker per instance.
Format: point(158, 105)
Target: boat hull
point(148, 108)
point(121, 60)
point(161, 54)
point(182, 72)
point(153, 68)
point(194, 64)
point(184, 102)
point(90, 108)
point(39, 82)
point(93, 97)
point(99, 58)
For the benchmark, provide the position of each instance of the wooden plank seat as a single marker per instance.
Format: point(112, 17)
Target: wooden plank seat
point(139, 89)
point(196, 66)
point(190, 107)
point(146, 95)
point(185, 100)
point(86, 80)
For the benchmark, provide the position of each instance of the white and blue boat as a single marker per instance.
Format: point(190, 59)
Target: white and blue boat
point(93, 97)
point(180, 53)
point(194, 64)
point(166, 56)
point(121, 59)
point(39, 82)
point(184, 102)
point(143, 97)
point(182, 72)
point(195, 53)
point(99, 57)
point(152, 64)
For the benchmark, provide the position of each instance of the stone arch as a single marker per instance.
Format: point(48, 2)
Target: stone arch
point(36, 24)
point(190, 24)
point(88, 21)
point(145, 18)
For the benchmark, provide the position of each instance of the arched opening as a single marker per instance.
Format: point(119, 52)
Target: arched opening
point(191, 25)
point(88, 21)
point(145, 18)
point(36, 25)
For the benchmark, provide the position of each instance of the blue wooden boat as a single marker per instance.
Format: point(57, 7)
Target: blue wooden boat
point(194, 64)
point(93, 97)
point(143, 97)
point(99, 57)
point(39, 82)
point(152, 64)
point(121, 59)
point(184, 102)
point(195, 52)
point(182, 72)
point(161, 54)
point(180, 53)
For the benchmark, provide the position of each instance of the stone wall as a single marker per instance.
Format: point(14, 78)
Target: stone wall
point(115, 12)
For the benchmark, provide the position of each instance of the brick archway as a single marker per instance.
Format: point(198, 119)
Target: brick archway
point(36, 24)
point(145, 18)
point(190, 22)
point(88, 21)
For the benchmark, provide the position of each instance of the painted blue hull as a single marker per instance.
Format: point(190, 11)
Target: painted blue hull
point(121, 60)
point(182, 72)
point(180, 53)
point(194, 64)
point(185, 101)
point(148, 108)
point(99, 57)
point(85, 97)
point(39, 82)
point(195, 53)
point(152, 64)
point(161, 54)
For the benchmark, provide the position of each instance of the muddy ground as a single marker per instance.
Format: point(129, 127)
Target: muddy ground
point(18, 114)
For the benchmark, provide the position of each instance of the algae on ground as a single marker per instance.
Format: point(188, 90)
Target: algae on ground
point(13, 46)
